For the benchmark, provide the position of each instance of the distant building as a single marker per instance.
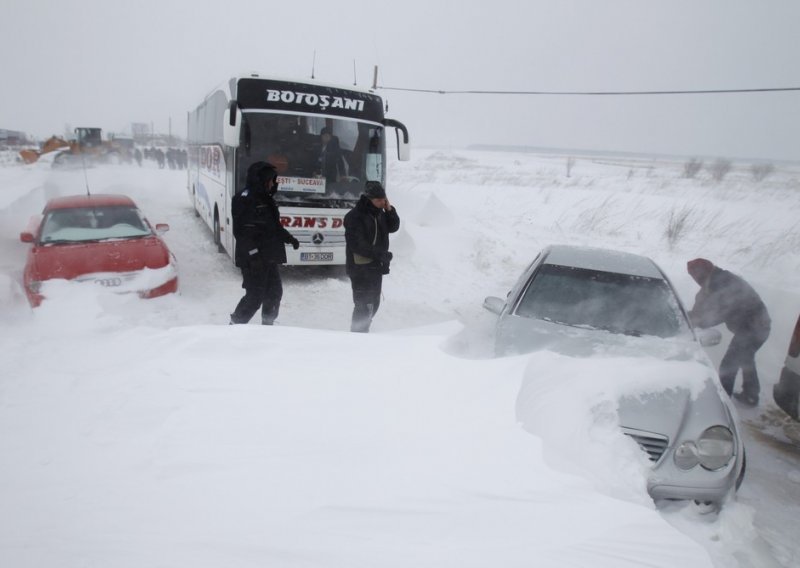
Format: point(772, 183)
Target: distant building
point(140, 132)
point(12, 137)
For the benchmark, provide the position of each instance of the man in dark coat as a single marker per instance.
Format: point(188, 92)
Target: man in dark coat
point(726, 298)
point(366, 229)
point(331, 160)
point(260, 245)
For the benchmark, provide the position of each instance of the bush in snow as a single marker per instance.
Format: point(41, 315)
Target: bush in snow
point(720, 169)
point(761, 171)
point(692, 168)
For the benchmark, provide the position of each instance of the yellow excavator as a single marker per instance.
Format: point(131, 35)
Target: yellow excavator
point(50, 145)
point(88, 144)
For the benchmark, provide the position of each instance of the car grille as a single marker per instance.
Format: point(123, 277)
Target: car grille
point(654, 444)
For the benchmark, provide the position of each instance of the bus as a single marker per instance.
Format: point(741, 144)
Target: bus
point(325, 141)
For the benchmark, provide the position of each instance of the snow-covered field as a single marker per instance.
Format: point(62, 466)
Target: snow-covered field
point(151, 433)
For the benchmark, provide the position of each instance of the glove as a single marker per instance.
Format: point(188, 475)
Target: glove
point(295, 243)
point(384, 259)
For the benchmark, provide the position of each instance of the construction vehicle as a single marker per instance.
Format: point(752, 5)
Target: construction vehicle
point(88, 145)
point(52, 144)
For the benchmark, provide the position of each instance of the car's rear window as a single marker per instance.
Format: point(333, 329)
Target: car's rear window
point(80, 224)
point(620, 303)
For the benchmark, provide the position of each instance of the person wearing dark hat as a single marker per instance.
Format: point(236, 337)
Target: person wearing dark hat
point(726, 298)
point(367, 257)
point(260, 245)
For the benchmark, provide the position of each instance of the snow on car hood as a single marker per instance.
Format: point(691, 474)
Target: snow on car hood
point(523, 335)
point(69, 261)
point(116, 282)
point(583, 385)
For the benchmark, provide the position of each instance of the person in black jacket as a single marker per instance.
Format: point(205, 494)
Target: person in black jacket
point(331, 160)
point(260, 245)
point(726, 298)
point(366, 230)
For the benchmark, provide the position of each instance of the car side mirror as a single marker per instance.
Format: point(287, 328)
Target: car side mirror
point(161, 228)
point(708, 337)
point(26, 237)
point(494, 305)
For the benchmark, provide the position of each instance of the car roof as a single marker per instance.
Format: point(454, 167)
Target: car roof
point(101, 200)
point(603, 260)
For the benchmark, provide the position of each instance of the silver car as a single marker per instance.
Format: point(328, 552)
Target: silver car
point(574, 299)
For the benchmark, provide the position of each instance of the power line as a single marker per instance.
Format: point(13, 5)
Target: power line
point(593, 93)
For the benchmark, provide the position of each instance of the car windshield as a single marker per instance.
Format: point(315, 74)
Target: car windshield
point(80, 224)
point(619, 303)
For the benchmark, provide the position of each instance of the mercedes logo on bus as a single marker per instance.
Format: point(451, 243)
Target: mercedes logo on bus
point(317, 238)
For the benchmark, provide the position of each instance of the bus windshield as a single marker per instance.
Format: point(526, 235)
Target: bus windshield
point(321, 161)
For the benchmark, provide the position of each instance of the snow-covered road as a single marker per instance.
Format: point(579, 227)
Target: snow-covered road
point(471, 222)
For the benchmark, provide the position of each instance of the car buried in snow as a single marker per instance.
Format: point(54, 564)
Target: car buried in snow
point(101, 239)
point(581, 301)
point(787, 391)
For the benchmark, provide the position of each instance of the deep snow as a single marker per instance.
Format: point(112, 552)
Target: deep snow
point(150, 432)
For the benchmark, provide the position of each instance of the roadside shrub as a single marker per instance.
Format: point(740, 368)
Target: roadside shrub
point(720, 168)
point(677, 224)
point(761, 171)
point(692, 168)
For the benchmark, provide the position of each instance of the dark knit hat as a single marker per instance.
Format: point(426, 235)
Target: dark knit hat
point(258, 174)
point(374, 190)
point(699, 269)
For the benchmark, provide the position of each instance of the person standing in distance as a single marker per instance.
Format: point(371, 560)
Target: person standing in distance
point(260, 245)
point(726, 298)
point(366, 230)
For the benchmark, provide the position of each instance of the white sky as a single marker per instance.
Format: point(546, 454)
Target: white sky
point(110, 63)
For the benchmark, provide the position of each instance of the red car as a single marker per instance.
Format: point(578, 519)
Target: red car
point(104, 239)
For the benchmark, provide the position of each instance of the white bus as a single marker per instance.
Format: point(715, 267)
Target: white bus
point(281, 121)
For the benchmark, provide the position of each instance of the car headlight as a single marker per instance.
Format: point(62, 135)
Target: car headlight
point(712, 450)
point(715, 447)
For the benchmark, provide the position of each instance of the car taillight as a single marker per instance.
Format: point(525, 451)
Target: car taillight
point(794, 346)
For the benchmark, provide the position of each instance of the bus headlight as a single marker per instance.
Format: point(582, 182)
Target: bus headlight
point(712, 450)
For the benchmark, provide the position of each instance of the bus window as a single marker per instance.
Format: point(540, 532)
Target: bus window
point(373, 170)
point(314, 168)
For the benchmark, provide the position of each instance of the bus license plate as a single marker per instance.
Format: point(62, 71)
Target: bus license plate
point(316, 257)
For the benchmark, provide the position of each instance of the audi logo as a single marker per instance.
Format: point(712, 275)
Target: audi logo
point(317, 238)
point(109, 282)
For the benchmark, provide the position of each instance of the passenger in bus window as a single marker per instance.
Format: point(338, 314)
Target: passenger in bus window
point(331, 161)
point(260, 245)
point(367, 257)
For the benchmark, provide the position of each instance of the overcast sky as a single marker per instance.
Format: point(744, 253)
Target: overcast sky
point(108, 63)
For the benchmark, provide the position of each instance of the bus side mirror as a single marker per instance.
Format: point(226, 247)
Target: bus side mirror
point(232, 125)
point(403, 147)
